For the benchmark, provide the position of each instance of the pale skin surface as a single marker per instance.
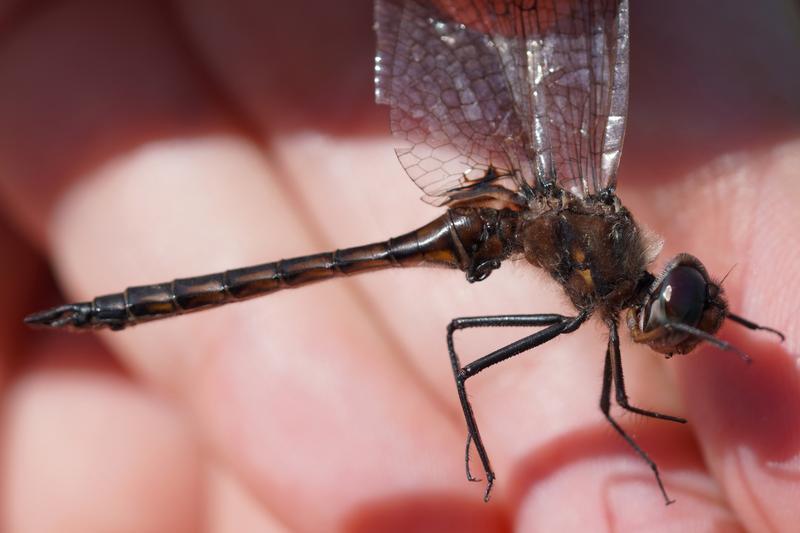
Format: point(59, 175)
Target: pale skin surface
point(333, 406)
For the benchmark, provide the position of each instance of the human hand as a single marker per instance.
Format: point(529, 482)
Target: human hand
point(138, 140)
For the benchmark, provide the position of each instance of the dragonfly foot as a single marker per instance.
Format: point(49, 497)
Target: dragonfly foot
point(489, 483)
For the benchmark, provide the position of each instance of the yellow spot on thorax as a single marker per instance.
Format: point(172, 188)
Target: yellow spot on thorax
point(580, 256)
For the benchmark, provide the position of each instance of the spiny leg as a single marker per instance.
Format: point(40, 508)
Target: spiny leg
point(619, 382)
point(557, 324)
point(605, 407)
point(487, 321)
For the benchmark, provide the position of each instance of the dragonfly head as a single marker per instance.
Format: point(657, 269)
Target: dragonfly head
point(681, 308)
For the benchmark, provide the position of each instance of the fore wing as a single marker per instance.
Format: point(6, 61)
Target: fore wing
point(514, 94)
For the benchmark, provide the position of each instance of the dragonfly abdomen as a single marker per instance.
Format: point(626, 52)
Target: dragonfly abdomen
point(468, 239)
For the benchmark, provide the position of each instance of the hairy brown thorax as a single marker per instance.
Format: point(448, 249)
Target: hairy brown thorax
point(593, 249)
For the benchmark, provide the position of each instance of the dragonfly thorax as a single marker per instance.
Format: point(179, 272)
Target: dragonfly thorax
point(594, 250)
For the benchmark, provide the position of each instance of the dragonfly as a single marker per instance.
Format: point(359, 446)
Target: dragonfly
point(510, 115)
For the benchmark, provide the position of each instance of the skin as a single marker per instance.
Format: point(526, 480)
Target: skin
point(138, 144)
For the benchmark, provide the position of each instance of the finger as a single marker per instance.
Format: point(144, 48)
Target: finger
point(85, 450)
point(231, 507)
point(744, 414)
point(614, 486)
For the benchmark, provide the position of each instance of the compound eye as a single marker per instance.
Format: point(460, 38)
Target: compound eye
point(681, 298)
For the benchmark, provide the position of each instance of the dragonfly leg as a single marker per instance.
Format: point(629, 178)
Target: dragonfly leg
point(619, 383)
point(556, 325)
point(611, 373)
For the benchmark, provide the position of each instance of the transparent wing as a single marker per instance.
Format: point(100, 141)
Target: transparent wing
point(520, 93)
